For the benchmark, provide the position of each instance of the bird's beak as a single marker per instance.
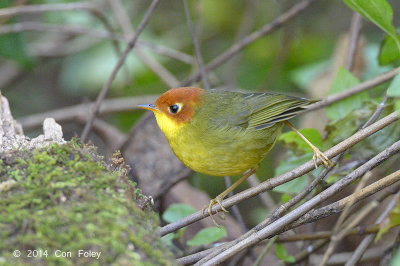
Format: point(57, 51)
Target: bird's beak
point(150, 107)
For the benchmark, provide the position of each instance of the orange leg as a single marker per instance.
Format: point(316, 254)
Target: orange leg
point(221, 196)
point(317, 153)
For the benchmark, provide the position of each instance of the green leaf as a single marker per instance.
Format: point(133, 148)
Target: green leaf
point(13, 48)
point(167, 239)
point(396, 258)
point(303, 76)
point(282, 254)
point(13, 45)
point(177, 211)
point(344, 80)
point(397, 106)
point(391, 221)
point(206, 236)
point(394, 87)
point(339, 130)
point(292, 140)
point(257, 215)
point(298, 184)
point(388, 52)
point(377, 11)
point(285, 198)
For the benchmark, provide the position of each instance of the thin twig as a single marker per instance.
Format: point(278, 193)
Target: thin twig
point(235, 209)
point(286, 177)
point(368, 239)
point(315, 215)
point(196, 46)
point(372, 255)
point(355, 27)
point(378, 111)
point(246, 25)
point(128, 104)
point(354, 90)
point(302, 255)
point(265, 250)
point(66, 114)
point(265, 198)
point(338, 206)
point(150, 62)
point(360, 230)
point(65, 29)
point(91, 9)
point(119, 64)
point(29, 9)
point(237, 47)
point(275, 227)
point(336, 236)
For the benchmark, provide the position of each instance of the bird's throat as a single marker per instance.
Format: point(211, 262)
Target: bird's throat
point(167, 125)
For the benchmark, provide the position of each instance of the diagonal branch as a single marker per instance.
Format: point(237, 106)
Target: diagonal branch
point(286, 177)
point(354, 90)
point(123, 19)
point(196, 46)
point(276, 226)
point(119, 64)
point(237, 47)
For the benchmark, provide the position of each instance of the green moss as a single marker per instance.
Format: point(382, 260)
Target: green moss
point(65, 198)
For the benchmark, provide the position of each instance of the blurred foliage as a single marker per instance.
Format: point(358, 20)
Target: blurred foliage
point(49, 70)
point(391, 221)
point(207, 236)
point(282, 254)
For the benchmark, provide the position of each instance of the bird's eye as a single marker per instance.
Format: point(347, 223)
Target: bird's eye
point(174, 108)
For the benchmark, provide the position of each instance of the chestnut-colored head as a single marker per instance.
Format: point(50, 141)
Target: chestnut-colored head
point(179, 103)
point(175, 107)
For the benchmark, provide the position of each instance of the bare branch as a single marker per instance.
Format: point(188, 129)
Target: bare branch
point(150, 62)
point(366, 85)
point(367, 240)
point(237, 47)
point(286, 177)
point(77, 30)
point(196, 46)
point(67, 114)
point(338, 206)
point(119, 64)
point(355, 27)
point(336, 236)
point(29, 9)
point(360, 230)
point(275, 227)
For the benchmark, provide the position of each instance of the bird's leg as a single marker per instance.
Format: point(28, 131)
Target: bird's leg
point(317, 153)
point(221, 196)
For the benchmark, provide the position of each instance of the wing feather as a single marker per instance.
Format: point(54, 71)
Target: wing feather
point(253, 110)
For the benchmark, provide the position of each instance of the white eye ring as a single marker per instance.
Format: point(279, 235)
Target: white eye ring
point(175, 108)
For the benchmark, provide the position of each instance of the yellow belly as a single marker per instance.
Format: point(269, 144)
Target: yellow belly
point(218, 152)
point(223, 154)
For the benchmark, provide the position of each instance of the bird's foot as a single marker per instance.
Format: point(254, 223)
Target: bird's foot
point(217, 200)
point(320, 155)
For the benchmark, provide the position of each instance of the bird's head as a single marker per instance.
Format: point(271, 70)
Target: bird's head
point(175, 108)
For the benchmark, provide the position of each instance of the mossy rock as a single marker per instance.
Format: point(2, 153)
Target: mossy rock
point(63, 200)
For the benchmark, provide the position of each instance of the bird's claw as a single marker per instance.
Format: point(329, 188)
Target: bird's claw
point(320, 155)
point(209, 210)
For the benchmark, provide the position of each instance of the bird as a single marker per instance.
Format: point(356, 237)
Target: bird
point(225, 133)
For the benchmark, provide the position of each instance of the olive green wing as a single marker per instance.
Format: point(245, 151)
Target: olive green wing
point(270, 108)
point(249, 110)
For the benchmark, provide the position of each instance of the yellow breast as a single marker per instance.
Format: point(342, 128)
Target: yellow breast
point(214, 154)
